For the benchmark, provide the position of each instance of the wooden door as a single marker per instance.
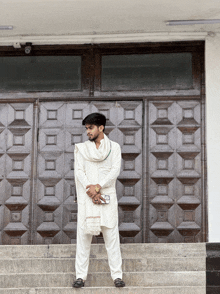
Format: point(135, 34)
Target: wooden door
point(165, 206)
point(60, 127)
point(176, 171)
point(16, 122)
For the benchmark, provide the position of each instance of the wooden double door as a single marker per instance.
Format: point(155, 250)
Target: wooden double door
point(161, 187)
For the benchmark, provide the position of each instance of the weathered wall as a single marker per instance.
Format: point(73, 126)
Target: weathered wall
point(212, 65)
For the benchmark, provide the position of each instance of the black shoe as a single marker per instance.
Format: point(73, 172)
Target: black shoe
point(119, 283)
point(79, 283)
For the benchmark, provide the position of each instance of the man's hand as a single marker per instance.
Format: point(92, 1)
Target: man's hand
point(97, 199)
point(92, 190)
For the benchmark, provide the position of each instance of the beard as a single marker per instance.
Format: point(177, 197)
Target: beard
point(93, 139)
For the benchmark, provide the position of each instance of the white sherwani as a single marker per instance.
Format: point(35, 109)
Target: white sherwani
point(107, 173)
point(97, 166)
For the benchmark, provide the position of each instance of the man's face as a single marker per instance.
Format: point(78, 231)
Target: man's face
point(93, 131)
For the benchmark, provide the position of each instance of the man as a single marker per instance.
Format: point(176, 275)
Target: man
point(97, 166)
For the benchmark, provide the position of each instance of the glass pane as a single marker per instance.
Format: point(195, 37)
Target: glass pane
point(147, 71)
point(40, 73)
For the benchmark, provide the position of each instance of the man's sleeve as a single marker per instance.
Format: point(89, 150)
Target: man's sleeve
point(111, 177)
point(79, 169)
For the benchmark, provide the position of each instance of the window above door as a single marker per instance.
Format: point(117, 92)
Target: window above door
point(106, 70)
point(147, 72)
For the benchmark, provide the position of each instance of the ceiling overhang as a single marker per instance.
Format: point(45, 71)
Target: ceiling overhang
point(104, 21)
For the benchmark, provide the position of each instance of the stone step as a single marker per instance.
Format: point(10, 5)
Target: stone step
point(135, 279)
point(129, 251)
point(108, 290)
point(67, 265)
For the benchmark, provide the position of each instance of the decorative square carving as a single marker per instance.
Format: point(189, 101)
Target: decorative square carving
point(51, 139)
point(48, 217)
point(19, 114)
point(73, 217)
point(16, 216)
point(162, 189)
point(105, 112)
point(50, 191)
point(129, 165)
point(50, 165)
point(188, 113)
point(77, 114)
point(72, 164)
point(162, 139)
point(162, 113)
point(188, 138)
point(189, 239)
point(17, 190)
point(189, 215)
point(162, 164)
point(189, 189)
point(18, 140)
point(76, 139)
point(129, 240)
point(129, 114)
point(52, 114)
point(129, 140)
point(16, 241)
point(72, 190)
point(48, 241)
point(129, 191)
point(162, 216)
point(162, 240)
point(17, 165)
point(128, 216)
point(189, 164)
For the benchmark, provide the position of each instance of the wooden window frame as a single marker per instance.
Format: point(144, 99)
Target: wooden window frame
point(196, 48)
point(49, 50)
point(91, 69)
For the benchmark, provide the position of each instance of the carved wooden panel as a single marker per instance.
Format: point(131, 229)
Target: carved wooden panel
point(60, 127)
point(130, 180)
point(16, 121)
point(175, 171)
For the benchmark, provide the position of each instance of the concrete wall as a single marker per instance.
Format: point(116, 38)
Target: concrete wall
point(212, 66)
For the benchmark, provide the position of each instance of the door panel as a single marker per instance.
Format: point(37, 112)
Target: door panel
point(174, 189)
point(16, 121)
point(130, 180)
point(175, 171)
point(60, 127)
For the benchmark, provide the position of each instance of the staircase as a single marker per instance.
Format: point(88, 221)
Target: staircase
point(148, 268)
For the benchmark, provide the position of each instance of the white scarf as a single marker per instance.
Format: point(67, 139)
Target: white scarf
point(92, 156)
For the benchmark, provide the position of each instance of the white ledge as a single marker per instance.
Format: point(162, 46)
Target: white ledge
point(105, 38)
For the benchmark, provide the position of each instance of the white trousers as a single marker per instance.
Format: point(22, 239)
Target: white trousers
point(112, 245)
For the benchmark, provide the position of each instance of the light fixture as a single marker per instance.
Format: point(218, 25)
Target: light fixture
point(6, 27)
point(191, 22)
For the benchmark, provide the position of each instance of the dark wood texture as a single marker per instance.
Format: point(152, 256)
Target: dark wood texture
point(16, 122)
point(59, 129)
point(175, 171)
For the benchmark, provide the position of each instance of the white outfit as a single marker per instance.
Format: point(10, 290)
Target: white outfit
point(97, 166)
point(112, 245)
